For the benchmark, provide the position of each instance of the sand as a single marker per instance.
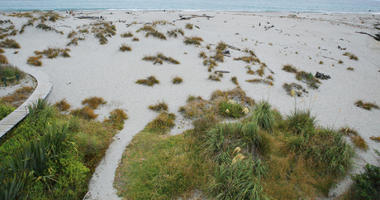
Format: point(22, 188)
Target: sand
point(302, 40)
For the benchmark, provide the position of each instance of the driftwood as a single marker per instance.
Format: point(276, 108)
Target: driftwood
point(376, 36)
point(89, 17)
point(183, 17)
point(222, 71)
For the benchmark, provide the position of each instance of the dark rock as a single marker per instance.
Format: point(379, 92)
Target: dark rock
point(322, 76)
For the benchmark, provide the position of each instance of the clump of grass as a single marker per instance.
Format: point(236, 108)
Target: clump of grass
point(159, 58)
point(48, 28)
point(177, 80)
point(193, 40)
point(85, 113)
point(348, 131)
point(359, 142)
point(296, 88)
point(125, 47)
point(258, 80)
point(159, 107)
point(289, 68)
point(3, 59)
point(117, 118)
point(210, 63)
point(263, 116)
point(150, 81)
point(351, 56)
point(102, 30)
point(135, 39)
point(215, 77)
point(35, 60)
point(251, 58)
point(162, 123)
point(5, 109)
point(350, 68)
point(53, 53)
point(340, 62)
point(231, 109)
point(321, 62)
point(62, 105)
point(234, 80)
point(10, 44)
point(366, 185)
point(150, 31)
point(72, 34)
point(126, 35)
point(18, 97)
point(2, 50)
point(308, 78)
point(174, 33)
point(366, 105)
point(94, 102)
point(202, 55)
point(374, 138)
point(10, 73)
point(189, 26)
point(301, 123)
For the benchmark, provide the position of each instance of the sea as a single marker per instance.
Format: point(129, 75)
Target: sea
point(337, 6)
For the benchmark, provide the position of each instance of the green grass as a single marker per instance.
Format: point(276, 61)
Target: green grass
point(10, 73)
point(161, 106)
point(5, 109)
point(231, 109)
point(50, 155)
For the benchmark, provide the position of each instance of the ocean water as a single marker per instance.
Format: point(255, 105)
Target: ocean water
point(230, 5)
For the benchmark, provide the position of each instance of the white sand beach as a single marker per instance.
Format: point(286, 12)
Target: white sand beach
point(299, 39)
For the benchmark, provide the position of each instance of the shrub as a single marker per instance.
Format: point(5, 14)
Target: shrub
point(9, 43)
point(85, 113)
point(231, 109)
point(162, 123)
point(366, 105)
point(263, 116)
point(117, 118)
point(124, 47)
point(177, 80)
point(35, 60)
point(150, 81)
point(366, 185)
point(3, 59)
point(62, 105)
point(161, 106)
point(193, 40)
point(5, 110)
point(94, 102)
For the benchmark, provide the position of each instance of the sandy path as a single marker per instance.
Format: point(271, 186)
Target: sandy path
point(95, 70)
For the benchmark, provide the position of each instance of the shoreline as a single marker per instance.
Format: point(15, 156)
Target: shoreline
point(195, 10)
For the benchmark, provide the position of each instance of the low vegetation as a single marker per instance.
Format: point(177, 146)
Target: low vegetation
point(62, 105)
point(45, 27)
point(126, 35)
point(53, 53)
point(193, 40)
point(160, 58)
point(50, 155)
point(294, 89)
point(189, 26)
point(351, 56)
point(177, 80)
point(259, 80)
point(17, 97)
point(366, 105)
point(175, 33)
point(235, 80)
point(159, 107)
point(3, 59)
point(125, 47)
point(5, 109)
point(35, 61)
point(117, 118)
point(94, 102)
point(10, 74)
point(150, 81)
point(103, 30)
point(263, 156)
point(151, 31)
point(84, 113)
point(10, 44)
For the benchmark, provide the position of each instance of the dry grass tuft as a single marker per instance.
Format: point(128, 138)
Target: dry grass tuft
point(117, 118)
point(2, 50)
point(374, 138)
point(34, 60)
point(366, 105)
point(340, 62)
point(350, 68)
point(258, 80)
point(348, 131)
point(161, 106)
point(308, 78)
point(163, 122)
point(296, 88)
point(159, 58)
point(102, 30)
point(351, 56)
point(150, 81)
point(53, 53)
point(177, 80)
point(62, 105)
point(18, 97)
point(234, 80)
point(150, 31)
point(202, 55)
point(174, 33)
point(359, 142)
point(189, 26)
point(3, 59)
point(10, 44)
point(125, 47)
point(85, 113)
point(127, 35)
point(289, 68)
point(193, 40)
point(94, 102)
point(135, 39)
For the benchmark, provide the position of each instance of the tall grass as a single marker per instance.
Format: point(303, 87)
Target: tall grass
point(263, 116)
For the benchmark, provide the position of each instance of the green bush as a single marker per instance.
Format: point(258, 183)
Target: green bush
point(367, 185)
point(263, 116)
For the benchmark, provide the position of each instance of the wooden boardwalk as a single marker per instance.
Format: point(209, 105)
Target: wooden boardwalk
point(41, 91)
